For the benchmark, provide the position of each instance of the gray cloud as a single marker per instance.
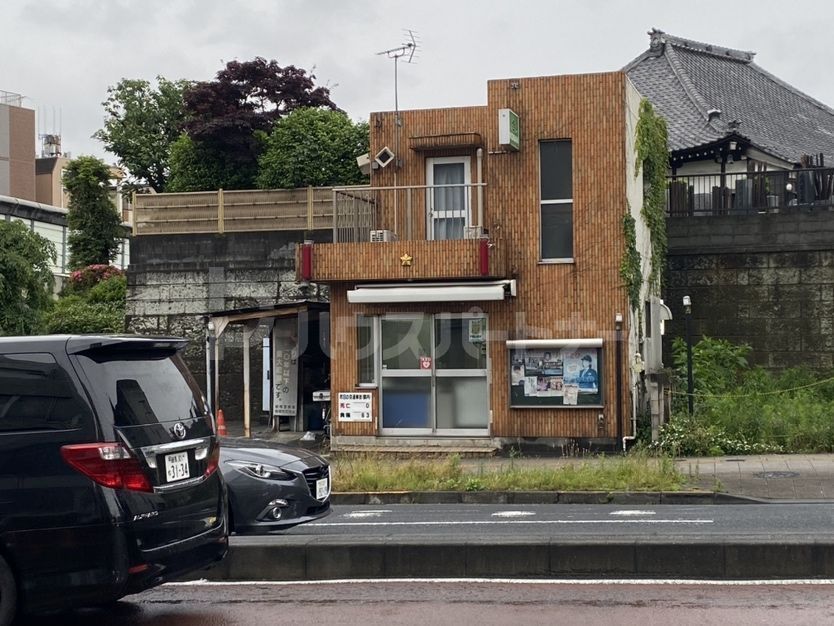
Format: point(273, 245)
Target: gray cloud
point(64, 54)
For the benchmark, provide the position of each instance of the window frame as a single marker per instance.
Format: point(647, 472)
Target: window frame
point(554, 202)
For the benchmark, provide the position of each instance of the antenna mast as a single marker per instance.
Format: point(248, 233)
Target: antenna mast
point(406, 50)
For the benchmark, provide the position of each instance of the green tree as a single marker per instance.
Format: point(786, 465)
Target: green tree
point(92, 301)
point(227, 120)
point(95, 226)
point(315, 147)
point(197, 167)
point(25, 278)
point(140, 125)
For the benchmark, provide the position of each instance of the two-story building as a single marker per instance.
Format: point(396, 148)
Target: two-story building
point(475, 288)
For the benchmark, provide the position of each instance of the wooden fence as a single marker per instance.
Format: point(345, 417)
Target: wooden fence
point(233, 211)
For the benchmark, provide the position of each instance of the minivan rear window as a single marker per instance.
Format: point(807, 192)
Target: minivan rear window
point(144, 387)
point(37, 394)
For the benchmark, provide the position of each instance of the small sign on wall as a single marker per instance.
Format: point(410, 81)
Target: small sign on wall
point(509, 129)
point(355, 407)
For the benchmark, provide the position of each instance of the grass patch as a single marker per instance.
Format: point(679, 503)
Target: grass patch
point(639, 472)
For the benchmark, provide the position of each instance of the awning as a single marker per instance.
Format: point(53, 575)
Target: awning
point(542, 344)
point(431, 292)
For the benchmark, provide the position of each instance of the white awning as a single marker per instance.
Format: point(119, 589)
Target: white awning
point(432, 292)
point(541, 344)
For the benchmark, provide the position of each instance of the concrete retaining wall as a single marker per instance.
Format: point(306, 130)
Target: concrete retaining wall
point(175, 280)
point(767, 280)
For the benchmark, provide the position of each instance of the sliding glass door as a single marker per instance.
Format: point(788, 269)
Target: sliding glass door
point(434, 375)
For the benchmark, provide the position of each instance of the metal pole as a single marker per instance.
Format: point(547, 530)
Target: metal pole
point(690, 385)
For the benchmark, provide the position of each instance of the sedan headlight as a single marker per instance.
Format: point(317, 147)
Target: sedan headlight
point(261, 470)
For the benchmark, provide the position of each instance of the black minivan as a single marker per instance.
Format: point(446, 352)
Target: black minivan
point(108, 471)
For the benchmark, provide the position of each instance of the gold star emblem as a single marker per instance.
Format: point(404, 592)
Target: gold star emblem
point(406, 260)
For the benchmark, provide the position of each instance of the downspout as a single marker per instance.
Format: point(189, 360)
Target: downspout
point(480, 165)
point(618, 356)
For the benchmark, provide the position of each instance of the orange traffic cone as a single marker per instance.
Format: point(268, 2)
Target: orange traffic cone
point(221, 423)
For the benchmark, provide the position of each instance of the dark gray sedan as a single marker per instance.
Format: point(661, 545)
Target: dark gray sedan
point(273, 486)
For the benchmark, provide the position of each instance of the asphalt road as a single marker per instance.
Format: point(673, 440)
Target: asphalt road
point(448, 522)
point(374, 603)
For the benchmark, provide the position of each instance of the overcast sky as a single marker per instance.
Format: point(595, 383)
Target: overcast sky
point(63, 54)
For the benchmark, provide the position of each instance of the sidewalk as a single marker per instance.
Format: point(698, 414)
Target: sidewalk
point(771, 476)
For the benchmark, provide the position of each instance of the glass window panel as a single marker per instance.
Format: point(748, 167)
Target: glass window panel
point(462, 402)
point(557, 231)
point(459, 343)
point(146, 388)
point(406, 402)
point(404, 342)
point(556, 170)
point(365, 349)
point(36, 394)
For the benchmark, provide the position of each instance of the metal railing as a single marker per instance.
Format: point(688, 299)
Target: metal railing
point(222, 211)
point(750, 193)
point(414, 212)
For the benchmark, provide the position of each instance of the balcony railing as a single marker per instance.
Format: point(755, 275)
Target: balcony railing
point(750, 193)
point(417, 212)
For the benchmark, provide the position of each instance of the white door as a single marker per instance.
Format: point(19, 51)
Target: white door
point(448, 197)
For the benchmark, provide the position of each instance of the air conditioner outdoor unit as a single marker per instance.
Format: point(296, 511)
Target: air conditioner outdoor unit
point(383, 235)
point(473, 232)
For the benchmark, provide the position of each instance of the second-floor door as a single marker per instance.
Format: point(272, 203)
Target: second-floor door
point(448, 197)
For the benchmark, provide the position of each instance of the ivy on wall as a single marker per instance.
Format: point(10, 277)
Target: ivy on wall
point(653, 157)
point(630, 266)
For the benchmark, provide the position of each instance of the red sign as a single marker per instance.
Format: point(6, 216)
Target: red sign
point(425, 362)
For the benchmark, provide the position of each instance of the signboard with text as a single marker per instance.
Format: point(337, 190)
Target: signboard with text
point(355, 407)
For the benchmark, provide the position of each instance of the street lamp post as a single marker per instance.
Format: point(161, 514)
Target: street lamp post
point(690, 386)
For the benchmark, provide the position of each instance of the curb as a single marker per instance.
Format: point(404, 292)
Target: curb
point(540, 497)
point(304, 558)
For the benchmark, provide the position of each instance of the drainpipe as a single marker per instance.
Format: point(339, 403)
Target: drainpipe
point(480, 159)
point(618, 356)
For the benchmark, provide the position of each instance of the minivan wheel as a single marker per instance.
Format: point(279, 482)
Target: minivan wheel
point(8, 594)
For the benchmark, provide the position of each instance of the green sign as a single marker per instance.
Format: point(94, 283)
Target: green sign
point(509, 129)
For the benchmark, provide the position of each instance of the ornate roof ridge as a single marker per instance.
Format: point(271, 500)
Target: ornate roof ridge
point(657, 39)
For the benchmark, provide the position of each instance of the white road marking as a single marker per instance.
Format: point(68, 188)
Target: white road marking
point(513, 514)
point(511, 581)
point(364, 514)
point(633, 513)
point(521, 521)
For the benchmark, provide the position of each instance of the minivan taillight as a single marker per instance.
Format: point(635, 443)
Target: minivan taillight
point(108, 464)
point(213, 460)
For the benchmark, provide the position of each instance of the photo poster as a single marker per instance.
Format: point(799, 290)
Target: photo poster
point(555, 377)
point(285, 368)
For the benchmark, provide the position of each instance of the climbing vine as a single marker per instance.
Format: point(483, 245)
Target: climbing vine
point(630, 266)
point(653, 157)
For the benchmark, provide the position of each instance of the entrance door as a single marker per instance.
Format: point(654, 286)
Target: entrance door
point(461, 388)
point(406, 377)
point(447, 196)
point(434, 376)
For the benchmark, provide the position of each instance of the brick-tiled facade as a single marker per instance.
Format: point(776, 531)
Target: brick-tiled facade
point(580, 298)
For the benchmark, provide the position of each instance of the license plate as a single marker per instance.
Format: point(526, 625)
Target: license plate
point(322, 489)
point(176, 466)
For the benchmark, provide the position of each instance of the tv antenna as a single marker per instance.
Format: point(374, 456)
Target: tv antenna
point(405, 51)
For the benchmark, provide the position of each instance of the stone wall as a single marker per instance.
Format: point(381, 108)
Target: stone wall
point(766, 280)
point(175, 280)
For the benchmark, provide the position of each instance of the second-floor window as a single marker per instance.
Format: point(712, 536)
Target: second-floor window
point(556, 173)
